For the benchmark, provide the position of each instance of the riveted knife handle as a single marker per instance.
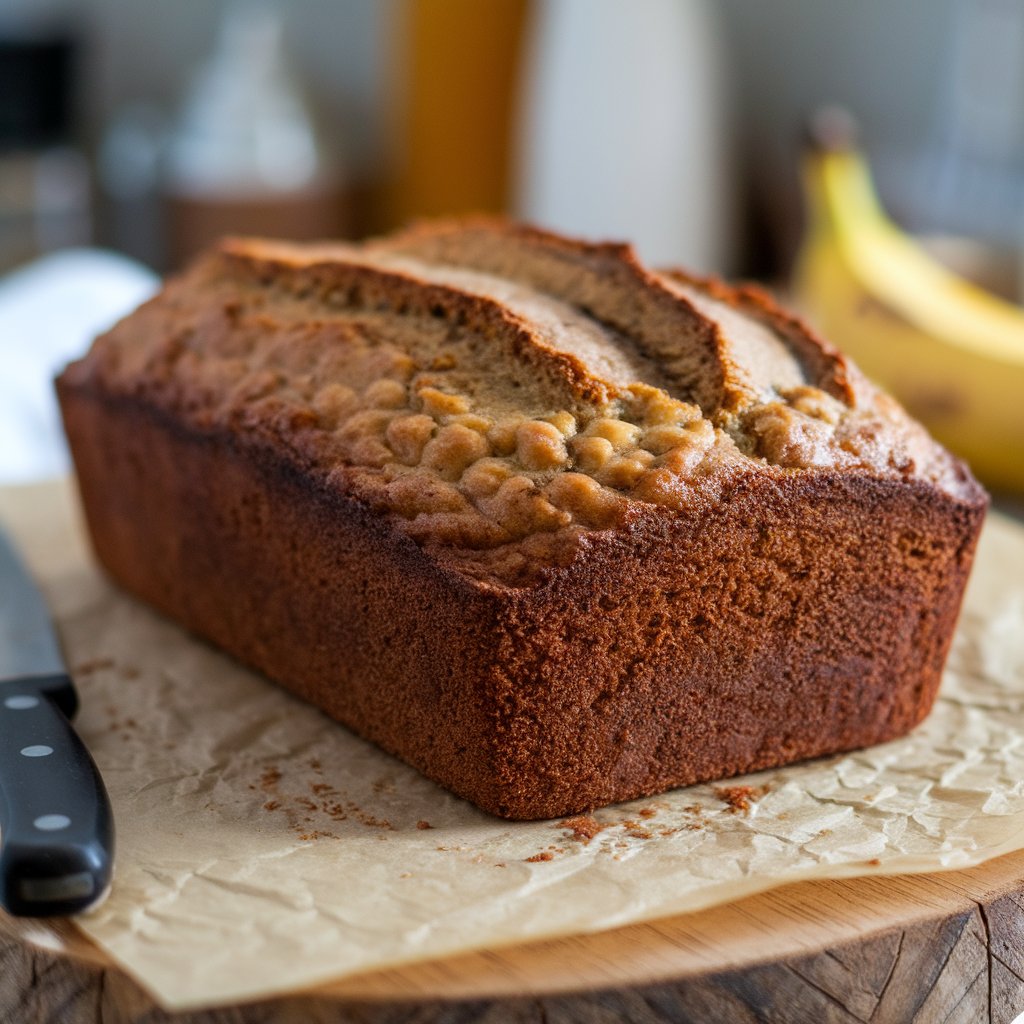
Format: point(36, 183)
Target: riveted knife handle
point(56, 825)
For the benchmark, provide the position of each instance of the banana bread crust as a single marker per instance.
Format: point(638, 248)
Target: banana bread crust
point(759, 613)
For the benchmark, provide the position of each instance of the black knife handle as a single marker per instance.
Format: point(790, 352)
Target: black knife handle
point(56, 826)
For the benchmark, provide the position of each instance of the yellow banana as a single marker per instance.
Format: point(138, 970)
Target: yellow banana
point(951, 352)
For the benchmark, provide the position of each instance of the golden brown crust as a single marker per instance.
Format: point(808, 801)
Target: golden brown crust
point(501, 418)
point(434, 501)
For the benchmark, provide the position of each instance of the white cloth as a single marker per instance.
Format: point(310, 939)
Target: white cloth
point(50, 310)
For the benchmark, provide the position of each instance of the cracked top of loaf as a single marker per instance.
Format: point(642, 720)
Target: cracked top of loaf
point(502, 392)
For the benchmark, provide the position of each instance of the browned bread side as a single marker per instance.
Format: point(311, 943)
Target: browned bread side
point(553, 528)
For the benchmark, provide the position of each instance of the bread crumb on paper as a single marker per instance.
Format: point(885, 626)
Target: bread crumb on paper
point(583, 827)
point(740, 799)
point(301, 812)
point(86, 668)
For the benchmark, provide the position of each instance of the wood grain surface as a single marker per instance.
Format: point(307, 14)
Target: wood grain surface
point(943, 948)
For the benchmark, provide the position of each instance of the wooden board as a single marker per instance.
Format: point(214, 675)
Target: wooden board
point(924, 949)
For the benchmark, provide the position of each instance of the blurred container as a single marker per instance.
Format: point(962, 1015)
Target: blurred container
point(130, 168)
point(453, 90)
point(625, 128)
point(45, 201)
point(245, 155)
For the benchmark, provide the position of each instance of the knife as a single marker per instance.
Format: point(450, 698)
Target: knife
point(56, 825)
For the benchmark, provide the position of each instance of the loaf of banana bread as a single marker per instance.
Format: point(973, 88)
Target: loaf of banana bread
point(556, 529)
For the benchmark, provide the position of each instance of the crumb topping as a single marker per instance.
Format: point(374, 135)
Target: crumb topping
point(487, 387)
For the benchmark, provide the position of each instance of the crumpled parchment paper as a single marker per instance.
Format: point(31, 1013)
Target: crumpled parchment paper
point(263, 848)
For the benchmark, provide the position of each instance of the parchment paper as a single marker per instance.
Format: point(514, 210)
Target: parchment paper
point(263, 848)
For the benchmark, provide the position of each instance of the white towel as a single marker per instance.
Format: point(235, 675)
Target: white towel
point(50, 310)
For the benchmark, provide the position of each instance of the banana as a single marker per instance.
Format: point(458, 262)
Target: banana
point(951, 352)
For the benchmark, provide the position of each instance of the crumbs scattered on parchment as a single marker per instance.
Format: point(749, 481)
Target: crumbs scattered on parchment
point(384, 787)
point(636, 831)
point(697, 819)
point(423, 825)
point(118, 725)
point(740, 799)
point(94, 665)
point(308, 813)
point(87, 668)
point(583, 827)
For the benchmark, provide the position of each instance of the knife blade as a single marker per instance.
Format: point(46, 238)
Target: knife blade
point(56, 824)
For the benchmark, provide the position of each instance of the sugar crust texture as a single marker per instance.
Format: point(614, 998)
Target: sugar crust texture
point(556, 529)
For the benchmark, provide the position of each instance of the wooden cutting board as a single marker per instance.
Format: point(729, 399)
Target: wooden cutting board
point(924, 949)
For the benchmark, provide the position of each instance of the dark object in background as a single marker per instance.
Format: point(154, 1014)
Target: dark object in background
point(35, 82)
point(44, 181)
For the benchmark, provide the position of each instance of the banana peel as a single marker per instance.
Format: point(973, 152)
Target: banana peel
point(950, 352)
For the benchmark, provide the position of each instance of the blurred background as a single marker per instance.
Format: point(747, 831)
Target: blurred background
point(132, 134)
